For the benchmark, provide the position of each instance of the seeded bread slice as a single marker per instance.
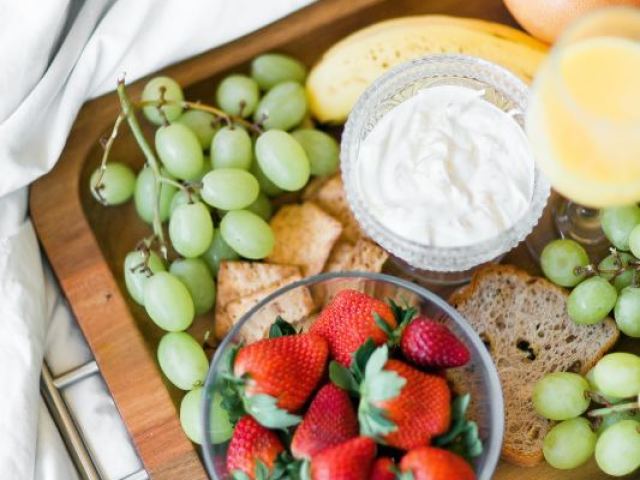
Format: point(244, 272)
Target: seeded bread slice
point(523, 321)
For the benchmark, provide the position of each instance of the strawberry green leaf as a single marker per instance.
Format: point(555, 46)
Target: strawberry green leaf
point(261, 471)
point(305, 470)
point(404, 476)
point(361, 357)
point(377, 361)
point(231, 401)
point(286, 467)
point(239, 475)
point(374, 423)
point(404, 316)
point(264, 409)
point(281, 328)
point(378, 385)
point(382, 386)
point(343, 378)
point(382, 324)
point(463, 437)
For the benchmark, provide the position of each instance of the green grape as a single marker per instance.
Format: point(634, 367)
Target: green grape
point(262, 207)
point(117, 184)
point(560, 258)
point(561, 396)
point(269, 69)
point(238, 95)
point(282, 160)
point(609, 264)
point(182, 360)
point(191, 229)
point(618, 448)
point(181, 198)
point(145, 199)
point(283, 107)
point(618, 375)
point(203, 124)
point(627, 312)
point(231, 148)
point(593, 387)
point(229, 188)
point(195, 275)
point(615, 417)
point(591, 301)
point(569, 444)
point(322, 150)
point(266, 185)
point(172, 92)
point(168, 302)
point(180, 151)
point(134, 278)
point(247, 234)
point(617, 223)
point(220, 428)
point(634, 240)
point(218, 252)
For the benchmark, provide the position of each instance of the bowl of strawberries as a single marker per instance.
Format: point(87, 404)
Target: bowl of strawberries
point(383, 380)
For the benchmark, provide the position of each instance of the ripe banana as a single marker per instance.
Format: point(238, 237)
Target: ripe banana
point(351, 65)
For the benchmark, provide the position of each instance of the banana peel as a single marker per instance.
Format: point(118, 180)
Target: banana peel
point(351, 65)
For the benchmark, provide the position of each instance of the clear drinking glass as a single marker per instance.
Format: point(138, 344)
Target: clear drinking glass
point(478, 377)
point(583, 122)
point(501, 88)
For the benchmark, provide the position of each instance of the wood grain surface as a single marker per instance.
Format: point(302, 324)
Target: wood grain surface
point(86, 243)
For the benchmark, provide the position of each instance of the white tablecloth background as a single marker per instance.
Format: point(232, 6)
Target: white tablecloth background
point(54, 55)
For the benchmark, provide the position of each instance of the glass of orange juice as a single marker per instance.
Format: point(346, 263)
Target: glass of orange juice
point(583, 120)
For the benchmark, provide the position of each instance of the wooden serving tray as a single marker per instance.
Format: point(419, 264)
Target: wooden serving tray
point(86, 243)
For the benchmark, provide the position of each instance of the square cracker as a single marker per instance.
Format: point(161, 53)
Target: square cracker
point(305, 235)
point(239, 279)
point(364, 256)
point(293, 306)
point(331, 197)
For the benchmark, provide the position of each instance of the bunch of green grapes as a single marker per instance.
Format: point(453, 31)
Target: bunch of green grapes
point(611, 432)
point(611, 285)
point(217, 168)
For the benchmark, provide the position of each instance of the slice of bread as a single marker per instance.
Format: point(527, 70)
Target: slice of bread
point(523, 321)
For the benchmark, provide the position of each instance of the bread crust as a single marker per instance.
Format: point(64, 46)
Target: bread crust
point(510, 451)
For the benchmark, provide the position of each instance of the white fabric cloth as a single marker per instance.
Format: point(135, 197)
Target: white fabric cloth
point(55, 54)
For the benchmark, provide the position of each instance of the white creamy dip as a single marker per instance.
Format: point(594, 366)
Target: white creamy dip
point(446, 168)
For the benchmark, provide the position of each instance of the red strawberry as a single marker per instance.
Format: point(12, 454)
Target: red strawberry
point(349, 320)
point(330, 420)
point(286, 368)
point(427, 463)
point(251, 442)
point(399, 405)
point(427, 343)
point(383, 469)
point(351, 460)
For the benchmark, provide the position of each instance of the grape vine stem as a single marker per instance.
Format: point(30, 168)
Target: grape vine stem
point(204, 108)
point(128, 110)
point(105, 157)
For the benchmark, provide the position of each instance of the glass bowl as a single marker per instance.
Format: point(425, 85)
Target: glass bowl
point(501, 88)
point(478, 377)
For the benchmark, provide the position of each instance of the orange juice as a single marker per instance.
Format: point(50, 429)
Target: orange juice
point(584, 121)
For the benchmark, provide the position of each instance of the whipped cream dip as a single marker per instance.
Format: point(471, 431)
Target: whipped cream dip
point(446, 168)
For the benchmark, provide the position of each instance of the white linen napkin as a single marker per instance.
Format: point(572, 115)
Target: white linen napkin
point(54, 55)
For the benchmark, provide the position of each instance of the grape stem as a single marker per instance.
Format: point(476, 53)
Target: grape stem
point(105, 156)
point(621, 407)
point(128, 111)
point(592, 269)
point(228, 119)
